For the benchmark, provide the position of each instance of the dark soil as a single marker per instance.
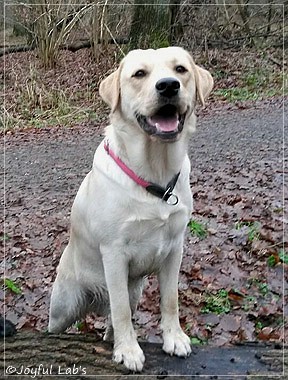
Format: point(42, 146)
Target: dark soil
point(237, 182)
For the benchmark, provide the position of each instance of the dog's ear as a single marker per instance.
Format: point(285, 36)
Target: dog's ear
point(204, 83)
point(109, 89)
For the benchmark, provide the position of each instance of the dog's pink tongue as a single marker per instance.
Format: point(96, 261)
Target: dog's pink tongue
point(164, 124)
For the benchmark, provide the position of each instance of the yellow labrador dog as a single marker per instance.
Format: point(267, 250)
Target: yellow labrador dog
point(131, 211)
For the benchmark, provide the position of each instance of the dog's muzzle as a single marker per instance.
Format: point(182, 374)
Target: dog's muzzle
point(167, 123)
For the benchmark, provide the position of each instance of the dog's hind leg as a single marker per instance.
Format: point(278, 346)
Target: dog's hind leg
point(67, 304)
point(109, 332)
point(135, 288)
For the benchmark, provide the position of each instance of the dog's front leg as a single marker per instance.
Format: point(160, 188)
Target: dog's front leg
point(175, 340)
point(126, 347)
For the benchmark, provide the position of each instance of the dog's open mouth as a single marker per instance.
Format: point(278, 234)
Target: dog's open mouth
point(166, 123)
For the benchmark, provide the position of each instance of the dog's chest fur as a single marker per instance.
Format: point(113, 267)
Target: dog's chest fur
point(147, 240)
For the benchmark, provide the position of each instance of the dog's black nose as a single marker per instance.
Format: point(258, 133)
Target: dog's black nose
point(167, 87)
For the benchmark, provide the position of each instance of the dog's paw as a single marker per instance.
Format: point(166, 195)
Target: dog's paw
point(131, 355)
point(176, 343)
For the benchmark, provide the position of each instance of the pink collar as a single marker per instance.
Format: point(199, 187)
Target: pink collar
point(166, 194)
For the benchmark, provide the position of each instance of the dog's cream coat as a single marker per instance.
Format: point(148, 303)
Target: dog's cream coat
point(119, 232)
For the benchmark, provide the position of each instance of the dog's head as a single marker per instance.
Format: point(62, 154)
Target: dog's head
point(157, 89)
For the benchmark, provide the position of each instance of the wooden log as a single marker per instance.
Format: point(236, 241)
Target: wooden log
point(71, 47)
point(16, 49)
point(42, 355)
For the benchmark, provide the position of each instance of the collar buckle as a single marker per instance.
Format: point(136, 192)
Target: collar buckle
point(170, 198)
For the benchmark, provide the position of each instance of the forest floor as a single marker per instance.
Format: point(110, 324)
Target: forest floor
point(232, 280)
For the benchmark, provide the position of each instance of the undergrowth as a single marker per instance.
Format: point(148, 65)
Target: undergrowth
point(34, 97)
point(249, 75)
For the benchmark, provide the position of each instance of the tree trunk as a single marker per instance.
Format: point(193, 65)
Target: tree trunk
point(176, 29)
point(243, 11)
point(40, 355)
point(151, 23)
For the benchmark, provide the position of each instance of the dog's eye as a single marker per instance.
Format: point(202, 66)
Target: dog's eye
point(139, 74)
point(181, 69)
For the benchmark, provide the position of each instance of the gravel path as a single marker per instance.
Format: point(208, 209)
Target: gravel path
point(54, 158)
